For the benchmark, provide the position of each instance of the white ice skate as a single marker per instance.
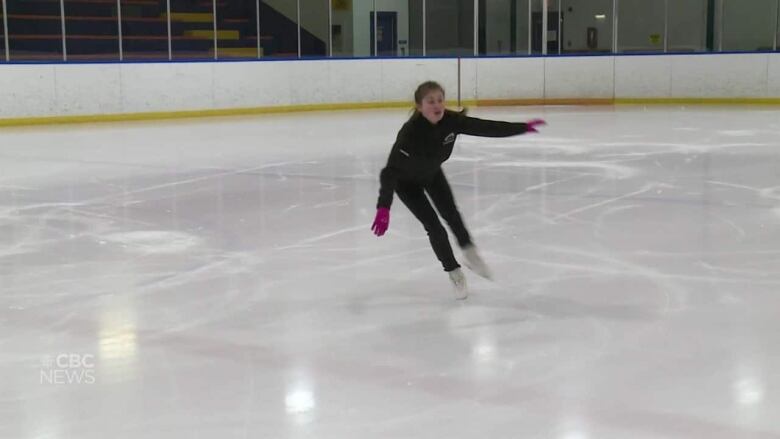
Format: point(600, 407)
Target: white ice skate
point(475, 263)
point(459, 284)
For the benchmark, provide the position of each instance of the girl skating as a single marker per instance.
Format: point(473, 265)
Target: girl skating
point(414, 170)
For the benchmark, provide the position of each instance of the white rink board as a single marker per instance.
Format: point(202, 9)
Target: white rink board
point(102, 84)
point(244, 85)
point(579, 77)
point(729, 76)
point(28, 90)
point(400, 77)
point(773, 88)
point(508, 78)
point(164, 87)
point(643, 76)
point(91, 89)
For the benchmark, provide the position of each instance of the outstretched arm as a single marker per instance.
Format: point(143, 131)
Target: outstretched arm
point(493, 128)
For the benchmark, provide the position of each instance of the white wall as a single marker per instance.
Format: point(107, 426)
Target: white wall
point(498, 27)
point(361, 30)
point(88, 89)
point(580, 18)
point(638, 20)
point(497, 30)
point(361, 24)
point(687, 25)
point(746, 25)
point(344, 19)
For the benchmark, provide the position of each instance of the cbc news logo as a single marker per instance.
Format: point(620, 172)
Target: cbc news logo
point(68, 369)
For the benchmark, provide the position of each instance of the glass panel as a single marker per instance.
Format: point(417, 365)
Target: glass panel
point(587, 26)
point(144, 29)
point(399, 33)
point(2, 36)
point(641, 25)
point(237, 29)
point(92, 30)
point(415, 41)
point(522, 20)
point(34, 30)
point(279, 28)
point(341, 28)
point(192, 29)
point(450, 27)
point(536, 26)
point(777, 27)
point(687, 26)
point(314, 28)
point(352, 28)
point(748, 28)
point(503, 27)
point(495, 27)
point(399, 23)
point(554, 27)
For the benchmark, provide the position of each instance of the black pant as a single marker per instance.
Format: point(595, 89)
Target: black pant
point(413, 196)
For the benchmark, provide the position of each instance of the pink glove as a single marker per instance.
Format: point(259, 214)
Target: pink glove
point(532, 124)
point(381, 221)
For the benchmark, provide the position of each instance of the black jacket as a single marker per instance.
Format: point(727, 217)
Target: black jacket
point(421, 147)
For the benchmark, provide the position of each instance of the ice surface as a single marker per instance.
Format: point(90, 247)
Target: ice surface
point(219, 279)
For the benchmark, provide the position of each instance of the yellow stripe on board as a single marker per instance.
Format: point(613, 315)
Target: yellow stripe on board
point(518, 102)
point(161, 115)
point(697, 101)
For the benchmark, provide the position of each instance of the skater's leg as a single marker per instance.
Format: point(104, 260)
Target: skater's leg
point(414, 198)
point(441, 195)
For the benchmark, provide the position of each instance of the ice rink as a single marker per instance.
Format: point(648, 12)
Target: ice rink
point(217, 278)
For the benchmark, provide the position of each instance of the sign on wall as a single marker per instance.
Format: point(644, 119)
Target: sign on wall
point(342, 5)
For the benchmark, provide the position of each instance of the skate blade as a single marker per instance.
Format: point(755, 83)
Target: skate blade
point(483, 274)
